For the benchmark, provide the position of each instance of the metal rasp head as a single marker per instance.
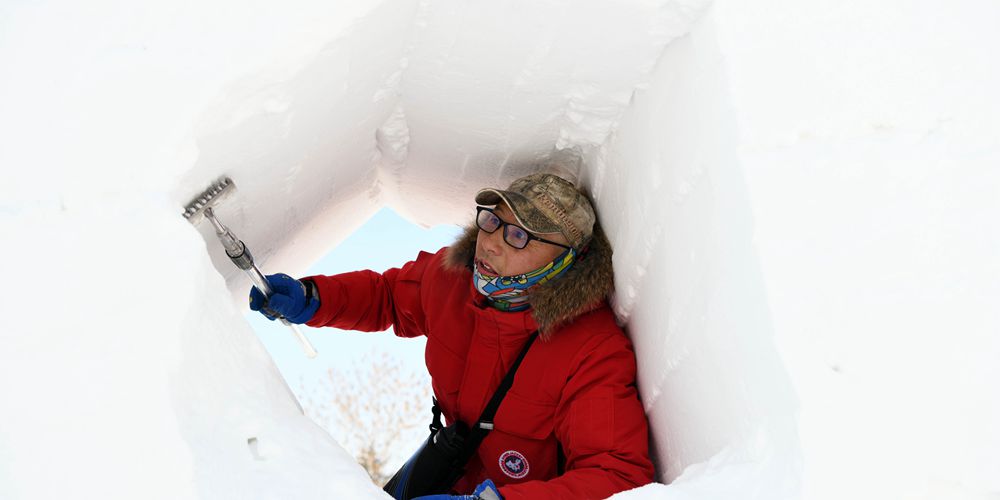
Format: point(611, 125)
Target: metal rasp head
point(195, 211)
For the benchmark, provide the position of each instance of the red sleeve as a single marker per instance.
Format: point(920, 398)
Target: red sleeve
point(372, 302)
point(601, 426)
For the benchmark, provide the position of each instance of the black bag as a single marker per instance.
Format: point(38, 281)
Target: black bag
point(436, 465)
point(440, 462)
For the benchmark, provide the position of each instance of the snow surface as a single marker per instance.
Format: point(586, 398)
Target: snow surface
point(801, 196)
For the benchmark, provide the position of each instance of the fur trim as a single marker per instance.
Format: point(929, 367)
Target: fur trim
point(583, 287)
point(462, 253)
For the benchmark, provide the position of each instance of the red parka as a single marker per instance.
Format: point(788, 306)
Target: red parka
point(572, 425)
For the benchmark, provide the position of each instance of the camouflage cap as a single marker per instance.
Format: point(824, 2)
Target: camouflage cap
point(546, 203)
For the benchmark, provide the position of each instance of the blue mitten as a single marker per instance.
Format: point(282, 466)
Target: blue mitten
point(290, 299)
point(485, 491)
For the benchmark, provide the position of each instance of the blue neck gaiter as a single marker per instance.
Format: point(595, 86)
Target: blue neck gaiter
point(510, 293)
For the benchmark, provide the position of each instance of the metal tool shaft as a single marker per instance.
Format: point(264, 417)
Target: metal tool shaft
point(240, 255)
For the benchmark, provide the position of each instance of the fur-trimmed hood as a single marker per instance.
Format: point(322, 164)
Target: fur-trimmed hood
point(581, 289)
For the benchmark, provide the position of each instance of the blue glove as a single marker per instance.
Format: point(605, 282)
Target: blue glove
point(291, 299)
point(485, 491)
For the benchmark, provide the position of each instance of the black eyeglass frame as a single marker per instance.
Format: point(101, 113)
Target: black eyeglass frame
point(504, 225)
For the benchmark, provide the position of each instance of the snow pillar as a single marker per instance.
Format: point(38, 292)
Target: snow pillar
point(688, 282)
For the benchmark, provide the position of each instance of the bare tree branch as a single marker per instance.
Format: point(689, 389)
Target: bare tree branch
point(373, 409)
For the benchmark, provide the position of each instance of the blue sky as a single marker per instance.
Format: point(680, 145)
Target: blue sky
point(385, 241)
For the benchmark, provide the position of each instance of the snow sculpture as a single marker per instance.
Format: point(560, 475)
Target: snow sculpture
point(709, 132)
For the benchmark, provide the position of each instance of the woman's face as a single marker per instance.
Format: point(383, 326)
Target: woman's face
point(495, 257)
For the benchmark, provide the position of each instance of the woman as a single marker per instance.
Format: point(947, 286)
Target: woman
point(571, 425)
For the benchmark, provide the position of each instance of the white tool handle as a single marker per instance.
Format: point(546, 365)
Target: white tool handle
point(306, 346)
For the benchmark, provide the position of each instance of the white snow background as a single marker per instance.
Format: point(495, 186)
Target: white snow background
point(802, 198)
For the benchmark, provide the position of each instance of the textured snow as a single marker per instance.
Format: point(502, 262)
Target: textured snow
point(801, 196)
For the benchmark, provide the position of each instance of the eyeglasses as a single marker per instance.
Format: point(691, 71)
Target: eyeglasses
point(515, 236)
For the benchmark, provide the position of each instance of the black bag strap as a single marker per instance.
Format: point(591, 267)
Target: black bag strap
point(485, 424)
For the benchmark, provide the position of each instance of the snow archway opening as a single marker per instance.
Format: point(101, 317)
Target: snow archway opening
point(453, 100)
